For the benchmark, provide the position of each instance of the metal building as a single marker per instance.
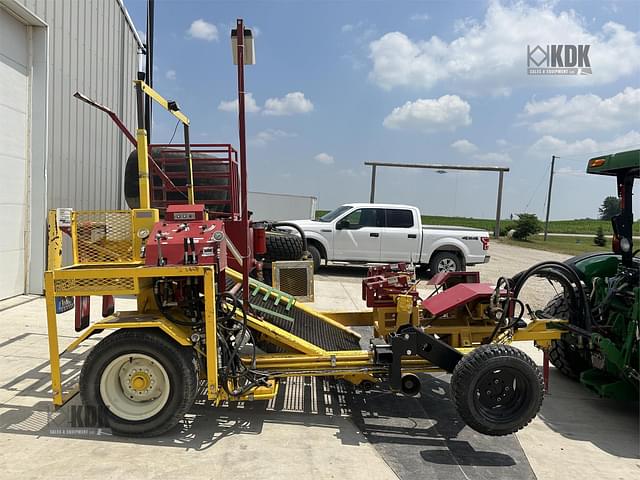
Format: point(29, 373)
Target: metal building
point(54, 150)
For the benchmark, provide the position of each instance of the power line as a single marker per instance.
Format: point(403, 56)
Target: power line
point(544, 175)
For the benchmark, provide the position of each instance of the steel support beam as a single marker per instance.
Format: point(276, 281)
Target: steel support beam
point(473, 168)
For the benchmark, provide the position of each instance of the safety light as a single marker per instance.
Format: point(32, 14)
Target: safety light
point(249, 49)
point(597, 162)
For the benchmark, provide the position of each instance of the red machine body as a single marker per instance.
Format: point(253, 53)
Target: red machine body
point(184, 237)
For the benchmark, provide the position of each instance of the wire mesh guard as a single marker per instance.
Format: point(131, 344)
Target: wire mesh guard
point(86, 286)
point(294, 278)
point(103, 237)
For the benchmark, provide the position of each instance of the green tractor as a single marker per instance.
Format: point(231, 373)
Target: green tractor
point(603, 307)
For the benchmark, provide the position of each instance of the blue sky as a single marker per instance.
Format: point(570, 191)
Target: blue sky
point(340, 83)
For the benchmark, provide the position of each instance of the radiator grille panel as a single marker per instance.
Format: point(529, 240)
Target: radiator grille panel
point(294, 278)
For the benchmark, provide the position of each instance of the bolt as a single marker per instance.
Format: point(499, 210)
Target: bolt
point(506, 389)
point(499, 399)
point(408, 352)
point(488, 393)
point(496, 381)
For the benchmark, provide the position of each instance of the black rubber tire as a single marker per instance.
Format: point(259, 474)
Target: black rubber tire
point(563, 354)
point(316, 256)
point(283, 246)
point(437, 257)
point(179, 363)
point(471, 372)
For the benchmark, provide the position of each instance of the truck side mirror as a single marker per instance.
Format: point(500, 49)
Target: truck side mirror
point(342, 225)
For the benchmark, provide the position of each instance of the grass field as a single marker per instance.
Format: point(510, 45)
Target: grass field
point(587, 226)
point(566, 245)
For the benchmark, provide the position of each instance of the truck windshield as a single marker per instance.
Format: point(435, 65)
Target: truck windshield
point(333, 214)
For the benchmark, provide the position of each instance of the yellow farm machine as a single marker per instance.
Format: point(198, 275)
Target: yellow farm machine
point(204, 316)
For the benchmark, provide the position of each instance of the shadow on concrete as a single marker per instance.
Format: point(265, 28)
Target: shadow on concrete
point(410, 433)
point(424, 435)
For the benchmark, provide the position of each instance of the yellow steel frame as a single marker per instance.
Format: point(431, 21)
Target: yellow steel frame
point(309, 359)
point(143, 149)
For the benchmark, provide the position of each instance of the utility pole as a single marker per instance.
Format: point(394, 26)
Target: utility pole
point(546, 222)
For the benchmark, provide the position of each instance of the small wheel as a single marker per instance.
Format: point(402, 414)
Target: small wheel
point(142, 381)
point(497, 389)
point(316, 256)
point(445, 262)
point(410, 384)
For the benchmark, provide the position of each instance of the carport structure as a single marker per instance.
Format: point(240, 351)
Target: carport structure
point(476, 168)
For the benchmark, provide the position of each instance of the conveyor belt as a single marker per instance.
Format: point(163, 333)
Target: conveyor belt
point(279, 308)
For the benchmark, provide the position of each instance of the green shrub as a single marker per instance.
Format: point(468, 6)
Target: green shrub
point(527, 224)
point(600, 240)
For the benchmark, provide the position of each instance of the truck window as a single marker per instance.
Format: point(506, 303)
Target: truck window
point(332, 215)
point(399, 218)
point(365, 217)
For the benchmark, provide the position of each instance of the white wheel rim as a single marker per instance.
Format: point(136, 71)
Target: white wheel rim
point(134, 386)
point(446, 265)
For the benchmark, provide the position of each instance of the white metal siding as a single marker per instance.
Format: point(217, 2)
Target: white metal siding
point(92, 50)
point(14, 106)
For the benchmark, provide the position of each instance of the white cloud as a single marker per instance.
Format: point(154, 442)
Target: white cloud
point(203, 30)
point(502, 142)
point(324, 158)
point(493, 157)
point(419, 17)
point(250, 105)
point(348, 27)
point(269, 135)
point(490, 55)
point(430, 115)
point(464, 146)
point(142, 35)
point(170, 75)
point(550, 145)
point(290, 104)
point(583, 112)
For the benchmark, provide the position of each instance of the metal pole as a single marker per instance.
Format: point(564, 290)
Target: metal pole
point(188, 165)
point(372, 192)
point(546, 221)
point(246, 260)
point(496, 230)
point(148, 115)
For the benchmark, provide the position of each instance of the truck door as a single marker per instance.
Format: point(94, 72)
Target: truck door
point(357, 235)
point(401, 236)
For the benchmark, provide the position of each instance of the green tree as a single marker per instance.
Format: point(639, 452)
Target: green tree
point(600, 240)
point(527, 224)
point(610, 207)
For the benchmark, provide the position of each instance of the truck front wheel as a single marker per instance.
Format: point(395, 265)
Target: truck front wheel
point(445, 262)
point(316, 256)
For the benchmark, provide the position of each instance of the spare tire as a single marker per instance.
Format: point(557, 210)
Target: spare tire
point(282, 246)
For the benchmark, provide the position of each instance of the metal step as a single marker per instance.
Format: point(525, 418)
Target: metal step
point(280, 309)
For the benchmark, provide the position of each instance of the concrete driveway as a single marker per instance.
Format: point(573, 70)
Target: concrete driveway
point(313, 429)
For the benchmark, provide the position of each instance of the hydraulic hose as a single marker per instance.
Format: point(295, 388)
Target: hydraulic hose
point(295, 227)
point(568, 278)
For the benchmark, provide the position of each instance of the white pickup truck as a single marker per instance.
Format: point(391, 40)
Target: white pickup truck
point(387, 233)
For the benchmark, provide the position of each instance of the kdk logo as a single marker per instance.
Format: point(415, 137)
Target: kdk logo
point(558, 60)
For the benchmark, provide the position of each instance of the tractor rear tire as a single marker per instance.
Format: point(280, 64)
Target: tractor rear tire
point(140, 381)
point(283, 246)
point(564, 355)
point(497, 389)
